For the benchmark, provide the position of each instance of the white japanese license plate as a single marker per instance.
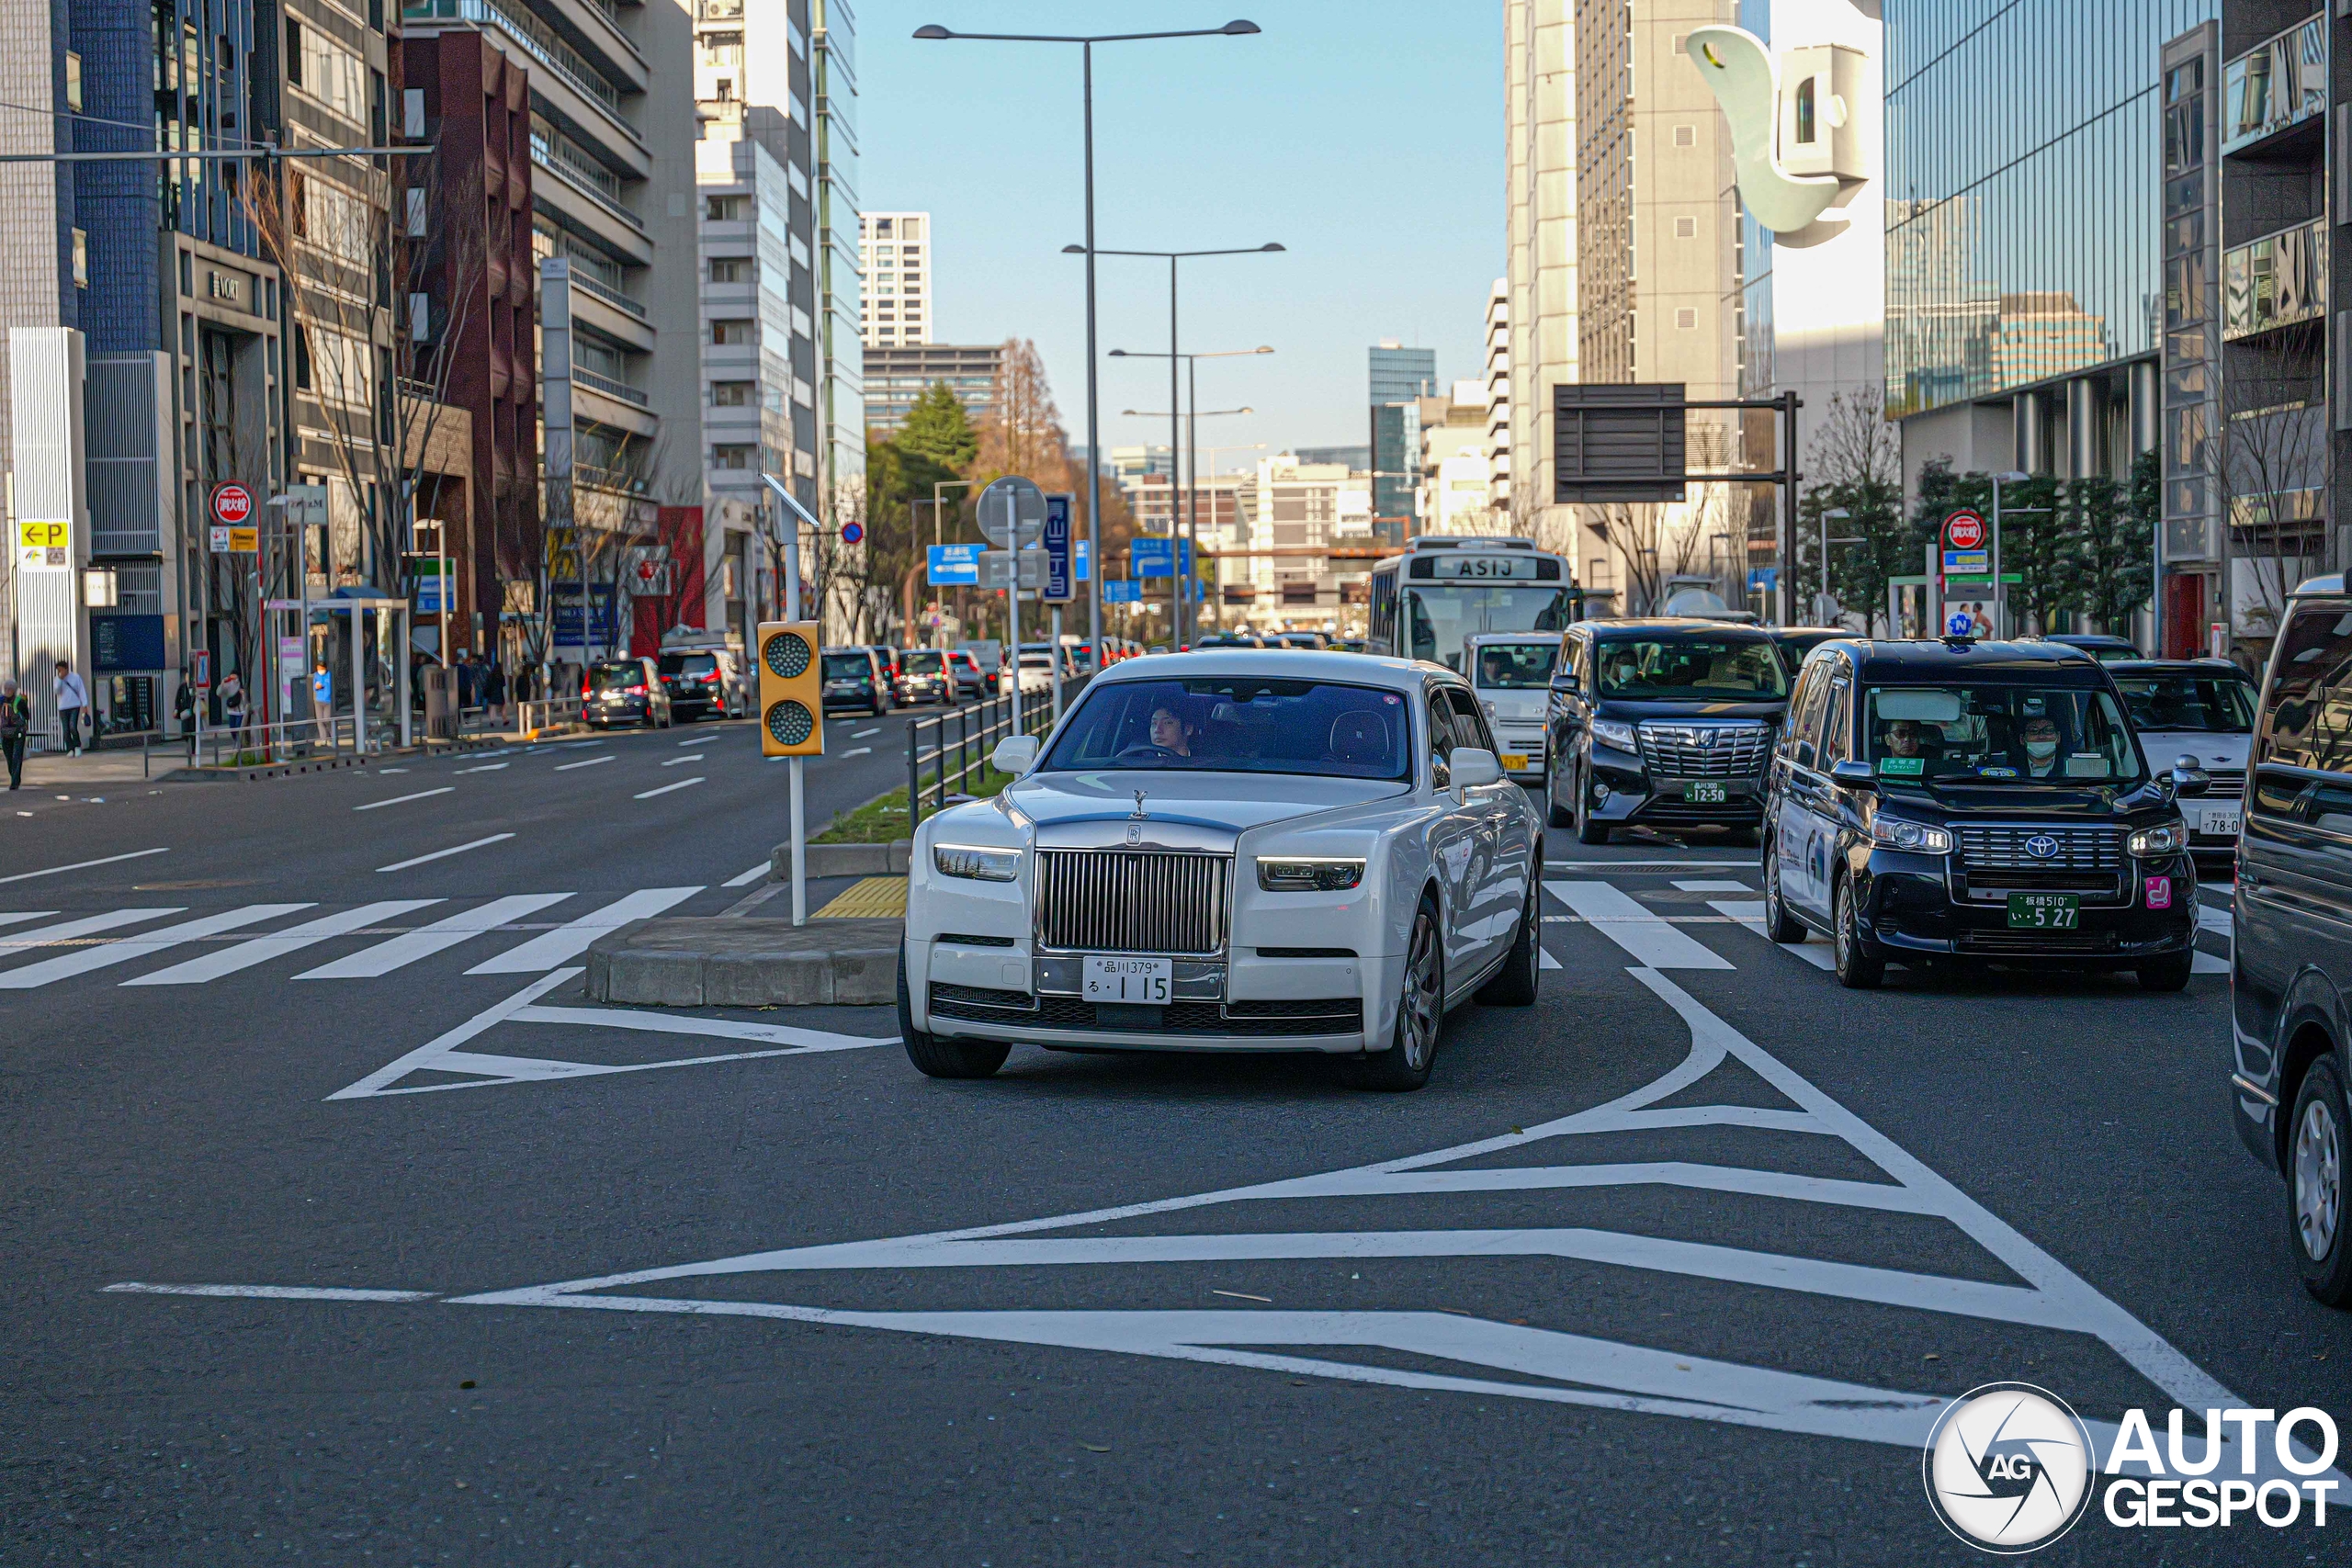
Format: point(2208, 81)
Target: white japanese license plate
point(1149, 981)
point(1514, 761)
point(2218, 819)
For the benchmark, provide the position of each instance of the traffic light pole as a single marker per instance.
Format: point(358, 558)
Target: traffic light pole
point(796, 766)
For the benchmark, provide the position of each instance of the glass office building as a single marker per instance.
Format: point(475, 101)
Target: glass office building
point(1400, 378)
point(2024, 157)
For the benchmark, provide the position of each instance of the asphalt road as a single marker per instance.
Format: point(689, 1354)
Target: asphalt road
point(1664, 1271)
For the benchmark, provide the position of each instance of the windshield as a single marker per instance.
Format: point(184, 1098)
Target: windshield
point(615, 677)
point(1239, 724)
point(1689, 669)
point(2221, 702)
point(1437, 619)
point(1998, 735)
point(689, 663)
point(848, 667)
point(921, 662)
point(1517, 666)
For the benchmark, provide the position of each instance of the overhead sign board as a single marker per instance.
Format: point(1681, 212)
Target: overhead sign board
point(1129, 593)
point(951, 565)
point(1157, 556)
point(1055, 540)
point(1617, 442)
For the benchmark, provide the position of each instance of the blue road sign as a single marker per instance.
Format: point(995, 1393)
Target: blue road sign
point(1079, 559)
point(952, 564)
point(1055, 541)
point(1123, 592)
point(1155, 556)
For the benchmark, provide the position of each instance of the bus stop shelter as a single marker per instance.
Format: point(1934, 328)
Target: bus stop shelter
point(391, 628)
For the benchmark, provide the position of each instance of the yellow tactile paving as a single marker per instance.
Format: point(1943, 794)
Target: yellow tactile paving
point(869, 898)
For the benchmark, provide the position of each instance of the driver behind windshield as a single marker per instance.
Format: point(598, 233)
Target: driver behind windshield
point(2041, 736)
point(1169, 732)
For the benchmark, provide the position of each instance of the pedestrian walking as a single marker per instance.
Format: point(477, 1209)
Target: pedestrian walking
point(72, 701)
point(232, 707)
point(493, 691)
point(322, 701)
point(16, 723)
point(184, 712)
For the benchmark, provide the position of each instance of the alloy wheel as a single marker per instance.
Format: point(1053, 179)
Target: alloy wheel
point(1845, 927)
point(1420, 995)
point(2319, 1179)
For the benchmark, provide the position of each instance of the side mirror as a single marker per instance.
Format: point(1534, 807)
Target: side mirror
point(1474, 767)
point(1441, 776)
point(2188, 778)
point(1015, 754)
point(1566, 683)
point(1853, 775)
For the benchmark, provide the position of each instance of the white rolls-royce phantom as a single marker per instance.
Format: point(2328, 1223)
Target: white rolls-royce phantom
point(1229, 851)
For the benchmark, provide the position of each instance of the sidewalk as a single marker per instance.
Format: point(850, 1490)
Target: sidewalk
point(54, 770)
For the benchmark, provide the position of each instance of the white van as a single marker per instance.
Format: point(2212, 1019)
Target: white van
point(1512, 674)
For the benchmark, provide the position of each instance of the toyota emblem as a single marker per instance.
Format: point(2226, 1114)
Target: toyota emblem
point(2041, 846)
point(1707, 737)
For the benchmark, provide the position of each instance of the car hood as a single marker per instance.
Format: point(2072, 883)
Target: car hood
point(1958, 800)
point(1214, 801)
point(2225, 751)
point(1630, 709)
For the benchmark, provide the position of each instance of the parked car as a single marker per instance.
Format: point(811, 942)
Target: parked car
point(624, 690)
point(855, 679)
point(1667, 723)
point(923, 677)
point(1793, 643)
point(892, 672)
point(2202, 709)
point(1982, 801)
point(704, 683)
point(2291, 949)
point(1511, 672)
point(971, 680)
point(1233, 851)
point(2106, 649)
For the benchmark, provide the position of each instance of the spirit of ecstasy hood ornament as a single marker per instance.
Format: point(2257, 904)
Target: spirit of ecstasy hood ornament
point(1138, 814)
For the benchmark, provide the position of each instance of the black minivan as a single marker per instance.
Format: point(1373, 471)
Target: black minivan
point(1661, 723)
point(2291, 945)
point(1976, 801)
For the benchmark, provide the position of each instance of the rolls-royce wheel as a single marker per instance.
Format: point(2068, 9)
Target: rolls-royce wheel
point(1513, 984)
point(1420, 1014)
point(1779, 924)
point(1860, 966)
point(939, 1058)
point(2169, 974)
point(2316, 1150)
point(1588, 830)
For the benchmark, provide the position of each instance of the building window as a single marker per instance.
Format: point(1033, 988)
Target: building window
point(735, 457)
point(1685, 319)
point(733, 332)
point(728, 208)
point(1686, 135)
point(1806, 110)
point(80, 258)
point(731, 394)
point(730, 269)
point(1686, 228)
point(72, 81)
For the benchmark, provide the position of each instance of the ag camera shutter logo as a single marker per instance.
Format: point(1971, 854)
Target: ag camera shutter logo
point(2008, 1468)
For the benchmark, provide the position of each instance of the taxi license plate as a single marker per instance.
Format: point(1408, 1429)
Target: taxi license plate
point(2046, 911)
point(1514, 761)
point(1705, 792)
point(1148, 981)
point(2218, 819)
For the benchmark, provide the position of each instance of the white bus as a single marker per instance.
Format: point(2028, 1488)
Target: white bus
point(1441, 590)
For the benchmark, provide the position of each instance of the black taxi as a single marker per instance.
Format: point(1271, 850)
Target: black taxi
point(1974, 801)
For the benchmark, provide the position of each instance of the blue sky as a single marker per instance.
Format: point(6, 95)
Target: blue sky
point(1365, 135)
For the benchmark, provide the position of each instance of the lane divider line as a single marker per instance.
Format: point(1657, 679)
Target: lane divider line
point(444, 854)
point(398, 799)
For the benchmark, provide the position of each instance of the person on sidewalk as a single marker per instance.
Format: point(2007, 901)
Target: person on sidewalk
point(73, 702)
point(16, 723)
point(232, 707)
point(184, 712)
point(323, 700)
point(493, 691)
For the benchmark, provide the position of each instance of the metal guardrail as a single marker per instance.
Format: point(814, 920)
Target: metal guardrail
point(292, 739)
point(545, 712)
point(948, 749)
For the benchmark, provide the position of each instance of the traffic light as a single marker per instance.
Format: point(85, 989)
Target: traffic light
point(792, 690)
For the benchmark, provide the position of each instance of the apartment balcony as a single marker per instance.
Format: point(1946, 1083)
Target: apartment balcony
point(578, 91)
point(2275, 88)
point(2274, 282)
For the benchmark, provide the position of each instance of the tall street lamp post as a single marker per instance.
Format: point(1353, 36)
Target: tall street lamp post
point(1191, 438)
point(1235, 28)
point(1184, 578)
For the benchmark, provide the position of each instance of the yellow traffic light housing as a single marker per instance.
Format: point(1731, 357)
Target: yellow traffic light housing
point(792, 690)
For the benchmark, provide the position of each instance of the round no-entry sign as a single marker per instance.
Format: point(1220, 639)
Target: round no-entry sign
point(232, 502)
point(1963, 530)
point(852, 532)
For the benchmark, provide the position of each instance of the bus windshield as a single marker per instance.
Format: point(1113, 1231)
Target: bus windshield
point(1437, 618)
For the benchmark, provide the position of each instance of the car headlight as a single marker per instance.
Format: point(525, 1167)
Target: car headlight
point(2168, 839)
point(1897, 834)
point(1282, 874)
point(981, 866)
point(1613, 732)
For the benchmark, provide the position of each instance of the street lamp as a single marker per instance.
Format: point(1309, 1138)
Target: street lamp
point(931, 32)
point(1191, 438)
point(1173, 355)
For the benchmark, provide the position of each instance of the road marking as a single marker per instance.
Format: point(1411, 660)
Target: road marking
point(85, 864)
point(272, 1293)
point(2214, 919)
point(583, 763)
point(85, 925)
point(11, 919)
point(747, 878)
point(1648, 937)
point(82, 960)
point(568, 942)
point(695, 740)
point(665, 789)
point(1705, 886)
point(1751, 915)
point(398, 799)
point(381, 772)
point(486, 768)
point(394, 952)
point(1544, 960)
point(2205, 963)
point(277, 945)
point(858, 751)
point(444, 854)
point(862, 734)
point(689, 757)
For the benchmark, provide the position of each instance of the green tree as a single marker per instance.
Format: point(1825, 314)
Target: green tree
point(938, 431)
point(2111, 533)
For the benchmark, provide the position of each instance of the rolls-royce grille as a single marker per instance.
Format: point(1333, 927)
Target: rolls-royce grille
point(2028, 847)
point(1141, 901)
point(1703, 751)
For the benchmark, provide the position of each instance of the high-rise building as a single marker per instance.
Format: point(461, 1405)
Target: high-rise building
point(895, 376)
point(1497, 402)
point(1540, 150)
point(840, 387)
point(1400, 378)
point(1300, 510)
point(1454, 491)
point(897, 250)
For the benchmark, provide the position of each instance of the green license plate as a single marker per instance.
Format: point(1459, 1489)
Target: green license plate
point(2046, 911)
point(1705, 792)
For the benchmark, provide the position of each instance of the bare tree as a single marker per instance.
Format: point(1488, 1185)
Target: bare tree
point(2273, 453)
point(1663, 540)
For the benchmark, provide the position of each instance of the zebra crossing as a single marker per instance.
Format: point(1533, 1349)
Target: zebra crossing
point(34, 956)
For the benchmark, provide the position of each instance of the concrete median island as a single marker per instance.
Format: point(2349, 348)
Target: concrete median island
point(719, 961)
